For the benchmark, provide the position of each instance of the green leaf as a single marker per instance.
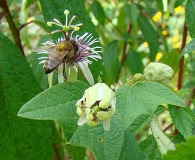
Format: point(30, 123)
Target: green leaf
point(150, 35)
point(159, 5)
point(143, 98)
point(184, 150)
point(75, 152)
point(190, 14)
point(29, 3)
point(132, 12)
point(111, 62)
point(178, 3)
point(56, 103)
point(56, 9)
point(20, 138)
point(134, 62)
point(171, 59)
point(139, 123)
point(130, 149)
point(183, 120)
point(189, 48)
point(106, 145)
point(149, 147)
point(98, 12)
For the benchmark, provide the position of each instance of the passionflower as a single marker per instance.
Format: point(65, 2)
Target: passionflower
point(97, 104)
point(158, 72)
point(71, 52)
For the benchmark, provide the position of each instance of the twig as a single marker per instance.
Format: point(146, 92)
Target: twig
point(22, 26)
point(12, 25)
point(181, 63)
point(109, 20)
point(57, 154)
point(169, 126)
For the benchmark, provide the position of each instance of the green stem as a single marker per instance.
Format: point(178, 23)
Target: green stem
point(12, 26)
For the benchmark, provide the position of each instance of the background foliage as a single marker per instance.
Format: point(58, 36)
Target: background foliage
point(132, 34)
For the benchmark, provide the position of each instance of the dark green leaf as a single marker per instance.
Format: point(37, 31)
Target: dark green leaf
point(150, 35)
point(132, 12)
point(184, 151)
point(139, 123)
point(190, 14)
point(189, 48)
point(134, 62)
point(98, 12)
point(75, 152)
point(20, 138)
point(130, 149)
point(160, 5)
point(56, 103)
point(37, 68)
point(183, 120)
point(178, 3)
point(149, 147)
point(56, 9)
point(28, 3)
point(106, 145)
point(172, 59)
point(143, 98)
point(111, 62)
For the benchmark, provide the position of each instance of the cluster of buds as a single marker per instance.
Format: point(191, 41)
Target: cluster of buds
point(97, 104)
point(158, 72)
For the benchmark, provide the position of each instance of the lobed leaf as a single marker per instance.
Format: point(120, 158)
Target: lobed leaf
point(19, 138)
point(143, 98)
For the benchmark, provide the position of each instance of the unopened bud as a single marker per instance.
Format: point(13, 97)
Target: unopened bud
point(158, 72)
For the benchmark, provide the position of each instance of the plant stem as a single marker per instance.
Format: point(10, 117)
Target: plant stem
point(181, 63)
point(12, 26)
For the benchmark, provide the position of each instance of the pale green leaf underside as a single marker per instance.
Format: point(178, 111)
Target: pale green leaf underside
point(143, 98)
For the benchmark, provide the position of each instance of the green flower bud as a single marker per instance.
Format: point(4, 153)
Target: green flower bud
point(158, 72)
point(137, 77)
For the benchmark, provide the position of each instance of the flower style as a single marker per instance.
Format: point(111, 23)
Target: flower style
point(70, 52)
point(97, 104)
point(158, 72)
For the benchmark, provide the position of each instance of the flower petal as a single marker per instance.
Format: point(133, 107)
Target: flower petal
point(87, 73)
point(82, 120)
point(106, 124)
